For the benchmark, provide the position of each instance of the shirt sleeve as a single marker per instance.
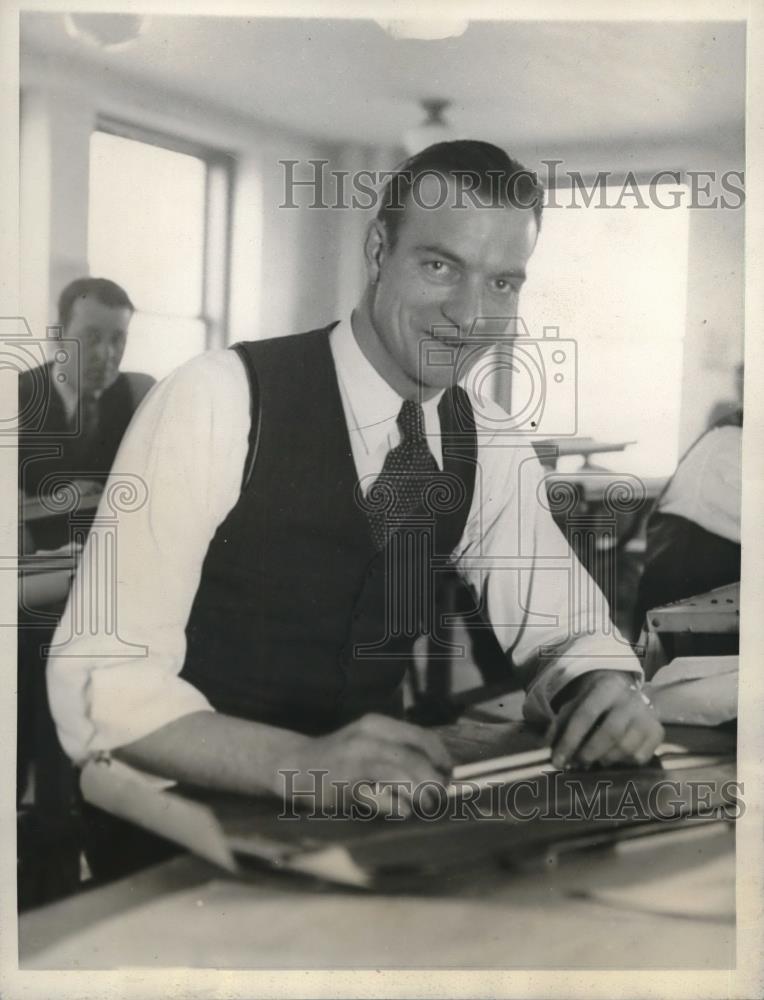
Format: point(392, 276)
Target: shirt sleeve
point(113, 674)
point(706, 487)
point(545, 609)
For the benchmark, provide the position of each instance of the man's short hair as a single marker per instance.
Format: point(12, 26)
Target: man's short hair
point(108, 293)
point(485, 175)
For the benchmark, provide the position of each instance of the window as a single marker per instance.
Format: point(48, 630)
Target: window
point(615, 281)
point(158, 225)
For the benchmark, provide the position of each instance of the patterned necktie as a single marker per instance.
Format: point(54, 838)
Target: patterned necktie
point(409, 467)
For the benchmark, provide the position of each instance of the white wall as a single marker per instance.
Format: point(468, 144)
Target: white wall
point(287, 266)
point(713, 344)
point(295, 269)
point(714, 326)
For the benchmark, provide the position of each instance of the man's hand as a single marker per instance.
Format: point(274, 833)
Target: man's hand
point(213, 750)
point(606, 721)
point(375, 748)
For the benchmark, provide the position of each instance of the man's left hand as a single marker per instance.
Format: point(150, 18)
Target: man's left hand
point(605, 721)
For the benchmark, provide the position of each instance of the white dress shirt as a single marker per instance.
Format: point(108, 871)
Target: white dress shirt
point(188, 443)
point(707, 486)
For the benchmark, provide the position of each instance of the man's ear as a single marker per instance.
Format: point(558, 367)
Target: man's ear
point(375, 249)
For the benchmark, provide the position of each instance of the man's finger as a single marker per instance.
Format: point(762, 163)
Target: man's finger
point(558, 723)
point(582, 719)
point(649, 745)
point(404, 733)
point(605, 737)
point(408, 768)
point(626, 748)
point(387, 802)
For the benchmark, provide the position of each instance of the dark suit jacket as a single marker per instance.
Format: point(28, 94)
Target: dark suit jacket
point(48, 443)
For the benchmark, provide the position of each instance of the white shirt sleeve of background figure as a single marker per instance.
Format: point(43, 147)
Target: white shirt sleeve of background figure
point(112, 684)
point(545, 609)
point(707, 486)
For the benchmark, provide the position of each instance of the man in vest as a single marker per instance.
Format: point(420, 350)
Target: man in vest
point(267, 583)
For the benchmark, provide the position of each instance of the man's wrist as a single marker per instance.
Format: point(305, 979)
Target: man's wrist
point(287, 752)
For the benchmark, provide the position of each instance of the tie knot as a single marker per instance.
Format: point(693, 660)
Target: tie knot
point(411, 421)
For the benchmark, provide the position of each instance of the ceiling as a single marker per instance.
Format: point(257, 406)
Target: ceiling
point(528, 82)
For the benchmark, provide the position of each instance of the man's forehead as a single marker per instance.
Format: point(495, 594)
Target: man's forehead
point(437, 210)
point(90, 309)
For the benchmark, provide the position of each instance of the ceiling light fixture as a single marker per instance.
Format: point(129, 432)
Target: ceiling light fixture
point(433, 129)
point(106, 31)
point(418, 28)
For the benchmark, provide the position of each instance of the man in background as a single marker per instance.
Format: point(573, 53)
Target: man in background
point(86, 401)
point(73, 413)
point(694, 531)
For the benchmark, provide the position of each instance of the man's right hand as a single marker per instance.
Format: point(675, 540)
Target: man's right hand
point(213, 750)
point(375, 748)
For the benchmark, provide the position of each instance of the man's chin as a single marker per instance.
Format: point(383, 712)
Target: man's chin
point(99, 383)
point(457, 360)
point(433, 382)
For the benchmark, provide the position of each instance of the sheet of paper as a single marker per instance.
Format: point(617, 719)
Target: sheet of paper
point(696, 690)
point(187, 823)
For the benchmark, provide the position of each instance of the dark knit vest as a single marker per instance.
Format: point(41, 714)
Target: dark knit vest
point(294, 622)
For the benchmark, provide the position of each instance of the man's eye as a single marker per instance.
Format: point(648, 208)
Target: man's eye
point(504, 286)
point(438, 267)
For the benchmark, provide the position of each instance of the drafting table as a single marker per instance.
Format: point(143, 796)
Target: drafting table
point(658, 902)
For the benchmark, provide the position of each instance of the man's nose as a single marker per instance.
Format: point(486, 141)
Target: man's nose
point(103, 350)
point(464, 307)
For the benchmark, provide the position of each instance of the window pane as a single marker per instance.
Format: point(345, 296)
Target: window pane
point(615, 281)
point(146, 222)
point(159, 344)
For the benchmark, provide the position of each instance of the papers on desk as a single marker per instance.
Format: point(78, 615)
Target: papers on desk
point(47, 560)
point(201, 827)
point(45, 576)
point(532, 763)
point(235, 831)
point(696, 690)
point(78, 495)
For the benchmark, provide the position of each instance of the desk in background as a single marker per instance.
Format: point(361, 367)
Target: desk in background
point(704, 625)
point(603, 516)
point(33, 509)
point(552, 449)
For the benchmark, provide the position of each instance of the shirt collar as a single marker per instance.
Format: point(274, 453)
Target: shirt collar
point(371, 403)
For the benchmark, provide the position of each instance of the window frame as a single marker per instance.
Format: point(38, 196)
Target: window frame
point(615, 180)
point(218, 217)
